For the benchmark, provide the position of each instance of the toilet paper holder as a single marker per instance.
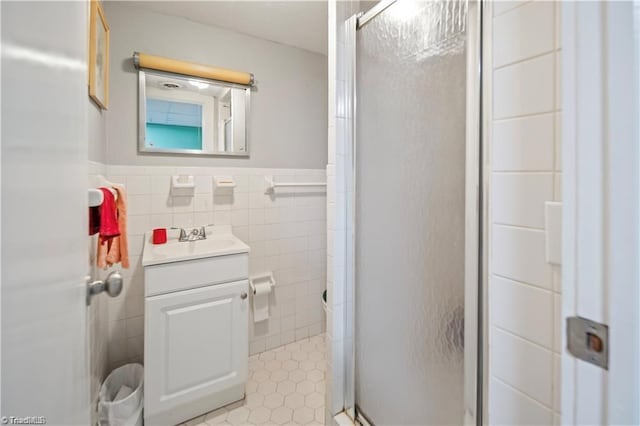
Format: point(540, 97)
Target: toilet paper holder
point(259, 279)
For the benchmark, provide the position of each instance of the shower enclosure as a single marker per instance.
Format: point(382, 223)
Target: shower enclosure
point(412, 175)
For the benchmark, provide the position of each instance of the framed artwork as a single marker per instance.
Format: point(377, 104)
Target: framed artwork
point(98, 56)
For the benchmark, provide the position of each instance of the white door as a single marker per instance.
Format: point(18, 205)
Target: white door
point(44, 211)
point(195, 344)
point(601, 228)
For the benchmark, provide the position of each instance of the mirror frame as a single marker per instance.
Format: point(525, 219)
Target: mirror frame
point(142, 115)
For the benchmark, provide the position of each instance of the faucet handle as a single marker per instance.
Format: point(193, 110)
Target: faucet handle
point(193, 234)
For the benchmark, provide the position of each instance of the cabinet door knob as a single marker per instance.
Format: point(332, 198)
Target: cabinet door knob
point(243, 295)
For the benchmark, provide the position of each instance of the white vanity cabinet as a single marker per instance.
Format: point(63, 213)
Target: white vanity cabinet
point(196, 336)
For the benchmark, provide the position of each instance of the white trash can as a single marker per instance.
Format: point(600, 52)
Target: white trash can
point(121, 397)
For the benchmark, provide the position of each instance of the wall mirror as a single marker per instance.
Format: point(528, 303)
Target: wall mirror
point(190, 115)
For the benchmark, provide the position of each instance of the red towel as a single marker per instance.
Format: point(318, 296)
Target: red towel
point(117, 249)
point(108, 217)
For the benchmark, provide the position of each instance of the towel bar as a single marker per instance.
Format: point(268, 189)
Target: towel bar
point(271, 184)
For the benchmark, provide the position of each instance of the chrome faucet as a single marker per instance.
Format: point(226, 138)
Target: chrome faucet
point(194, 235)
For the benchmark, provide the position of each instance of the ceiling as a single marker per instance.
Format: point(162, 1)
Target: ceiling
point(301, 24)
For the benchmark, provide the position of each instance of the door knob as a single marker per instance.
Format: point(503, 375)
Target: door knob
point(243, 295)
point(112, 285)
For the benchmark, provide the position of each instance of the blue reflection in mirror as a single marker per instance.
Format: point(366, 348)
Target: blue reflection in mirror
point(173, 125)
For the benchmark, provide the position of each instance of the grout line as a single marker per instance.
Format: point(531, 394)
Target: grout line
point(528, 58)
point(520, 227)
point(510, 225)
point(522, 282)
point(522, 172)
point(551, 292)
point(525, 339)
point(523, 393)
point(512, 9)
point(531, 114)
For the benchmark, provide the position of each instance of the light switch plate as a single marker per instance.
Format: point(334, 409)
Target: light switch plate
point(553, 232)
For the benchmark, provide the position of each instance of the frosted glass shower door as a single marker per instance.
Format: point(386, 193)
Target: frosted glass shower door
point(410, 214)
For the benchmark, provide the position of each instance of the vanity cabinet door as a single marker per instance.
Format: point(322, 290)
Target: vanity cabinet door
point(196, 344)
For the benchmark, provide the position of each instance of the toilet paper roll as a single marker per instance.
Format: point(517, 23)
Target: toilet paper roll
point(261, 302)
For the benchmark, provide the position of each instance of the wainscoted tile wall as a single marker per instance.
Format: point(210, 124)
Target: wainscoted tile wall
point(524, 291)
point(286, 233)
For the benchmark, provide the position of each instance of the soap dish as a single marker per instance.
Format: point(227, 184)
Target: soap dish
point(182, 185)
point(224, 182)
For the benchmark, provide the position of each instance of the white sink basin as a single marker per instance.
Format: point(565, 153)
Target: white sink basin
point(219, 242)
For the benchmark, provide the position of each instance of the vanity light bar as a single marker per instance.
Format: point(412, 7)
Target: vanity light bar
point(143, 60)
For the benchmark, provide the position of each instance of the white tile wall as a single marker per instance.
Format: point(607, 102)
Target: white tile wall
point(524, 88)
point(524, 291)
point(512, 33)
point(522, 309)
point(518, 253)
point(508, 406)
point(522, 196)
point(286, 233)
point(523, 365)
point(524, 144)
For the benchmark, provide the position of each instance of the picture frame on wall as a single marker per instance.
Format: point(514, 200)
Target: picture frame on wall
point(98, 56)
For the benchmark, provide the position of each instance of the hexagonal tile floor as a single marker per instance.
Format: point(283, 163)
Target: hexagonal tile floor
point(286, 386)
